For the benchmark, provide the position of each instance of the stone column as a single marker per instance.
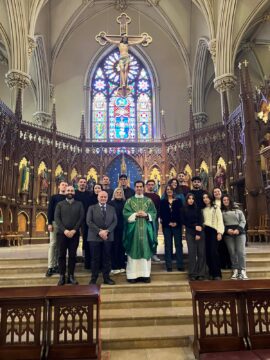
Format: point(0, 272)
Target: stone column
point(15, 80)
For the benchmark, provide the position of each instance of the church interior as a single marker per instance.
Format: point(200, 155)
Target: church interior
point(198, 102)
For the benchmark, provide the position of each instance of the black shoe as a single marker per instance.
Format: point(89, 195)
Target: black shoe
point(181, 269)
point(200, 278)
point(62, 280)
point(192, 278)
point(169, 269)
point(109, 281)
point(49, 272)
point(132, 281)
point(92, 281)
point(146, 280)
point(216, 277)
point(72, 280)
point(56, 270)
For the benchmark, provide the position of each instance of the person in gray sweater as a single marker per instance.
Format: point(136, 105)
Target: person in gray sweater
point(69, 215)
point(235, 237)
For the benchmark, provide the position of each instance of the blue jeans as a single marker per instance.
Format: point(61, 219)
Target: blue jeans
point(175, 233)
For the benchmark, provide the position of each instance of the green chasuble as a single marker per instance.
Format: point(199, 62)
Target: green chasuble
point(139, 236)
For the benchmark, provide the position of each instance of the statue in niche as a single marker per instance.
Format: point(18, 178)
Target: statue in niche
point(91, 183)
point(75, 181)
point(157, 184)
point(220, 178)
point(60, 177)
point(25, 179)
point(205, 178)
point(44, 182)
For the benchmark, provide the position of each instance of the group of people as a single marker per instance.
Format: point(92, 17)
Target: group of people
point(120, 228)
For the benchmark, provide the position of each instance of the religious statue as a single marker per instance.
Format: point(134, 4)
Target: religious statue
point(91, 183)
point(123, 165)
point(75, 181)
point(44, 183)
point(157, 184)
point(220, 178)
point(60, 177)
point(204, 176)
point(123, 40)
point(25, 179)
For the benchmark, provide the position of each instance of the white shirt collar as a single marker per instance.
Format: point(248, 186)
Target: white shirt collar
point(139, 196)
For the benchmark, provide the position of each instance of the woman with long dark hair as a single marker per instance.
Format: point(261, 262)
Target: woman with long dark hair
point(235, 237)
point(118, 251)
point(177, 191)
point(170, 218)
point(213, 228)
point(225, 260)
point(193, 221)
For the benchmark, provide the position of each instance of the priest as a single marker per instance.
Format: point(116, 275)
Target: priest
point(139, 235)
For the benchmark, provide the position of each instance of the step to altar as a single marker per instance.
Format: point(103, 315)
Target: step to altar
point(138, 321)
point(172, 353)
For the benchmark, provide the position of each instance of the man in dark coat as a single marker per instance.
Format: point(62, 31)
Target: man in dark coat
point(101, 220)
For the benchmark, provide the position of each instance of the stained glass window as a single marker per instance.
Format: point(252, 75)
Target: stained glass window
point(115, 118)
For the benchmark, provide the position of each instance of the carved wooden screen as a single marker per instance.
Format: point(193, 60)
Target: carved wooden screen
point(258, 305)
point(219, 319)
point(22, 332)
point(75, 318)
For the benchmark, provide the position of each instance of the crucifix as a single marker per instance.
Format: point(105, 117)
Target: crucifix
point(123, 40)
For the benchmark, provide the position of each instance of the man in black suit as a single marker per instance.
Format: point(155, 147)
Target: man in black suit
point(101, 220)
point(69, 215)
point(84, 197)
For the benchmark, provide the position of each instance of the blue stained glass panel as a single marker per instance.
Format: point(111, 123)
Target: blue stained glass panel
point(126, 119)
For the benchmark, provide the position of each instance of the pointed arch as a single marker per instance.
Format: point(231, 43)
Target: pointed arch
point(250, 21)
point(146, 63)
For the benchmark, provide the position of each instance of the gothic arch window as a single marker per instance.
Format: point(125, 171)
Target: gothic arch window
point(118, 119)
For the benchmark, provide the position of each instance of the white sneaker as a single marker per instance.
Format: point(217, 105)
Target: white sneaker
point(155, 258)
point(243, 275)
point(122, 270)
point(234, 274)
point(114, 272)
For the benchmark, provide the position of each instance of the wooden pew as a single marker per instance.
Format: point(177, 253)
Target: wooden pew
point(49, 322)
point(71, 315)
point(258, 310)
point(23, 321)
point(221, 321)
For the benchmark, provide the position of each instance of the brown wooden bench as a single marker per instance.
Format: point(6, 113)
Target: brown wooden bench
point(222, 322)
point(12, 238)
point(262, 231)
point(258, 310)
point(49, 322)
point(71, 333)
point(22, 325)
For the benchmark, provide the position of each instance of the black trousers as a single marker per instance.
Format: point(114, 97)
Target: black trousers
point(71, 245)
point(211, 249)
point(118, 251)
point(100, 250)
point(87, 258)
point(225, 260)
